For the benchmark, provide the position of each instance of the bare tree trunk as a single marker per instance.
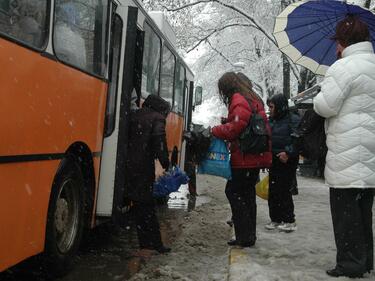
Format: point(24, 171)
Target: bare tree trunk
point(308, 79)
point(368, 4)
point(286, 77)
point(286, 66)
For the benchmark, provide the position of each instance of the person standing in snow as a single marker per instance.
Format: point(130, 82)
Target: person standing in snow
point(147, 143)
point(240, 190)
point(347, 101)
point(284, 164)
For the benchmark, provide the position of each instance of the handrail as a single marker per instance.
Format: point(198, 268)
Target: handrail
point(306, 94)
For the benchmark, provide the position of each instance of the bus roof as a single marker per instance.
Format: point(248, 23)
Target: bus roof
point(155, 26)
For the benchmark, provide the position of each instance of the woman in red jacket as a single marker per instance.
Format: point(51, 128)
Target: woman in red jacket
point(241, 100)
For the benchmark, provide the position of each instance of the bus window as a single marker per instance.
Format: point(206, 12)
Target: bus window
point(179, 88)
point(167, 75)
point(80, 34)
point(114, 75)
point(151, 62)
point(25, 21)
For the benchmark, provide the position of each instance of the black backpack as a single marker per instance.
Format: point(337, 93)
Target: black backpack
point(313, 139)
point(255, 138)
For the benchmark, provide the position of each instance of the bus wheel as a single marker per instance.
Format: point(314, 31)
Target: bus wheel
point(65, 219)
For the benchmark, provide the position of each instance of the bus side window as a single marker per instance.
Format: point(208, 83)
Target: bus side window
point(79, 34)
point(167, 75)
point(151, 62)
point(24, 20)
point(137, 93)
point(115, 54)
point(179, 88)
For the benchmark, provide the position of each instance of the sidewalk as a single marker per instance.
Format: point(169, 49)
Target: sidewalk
point(239, 263)
point(303, 255)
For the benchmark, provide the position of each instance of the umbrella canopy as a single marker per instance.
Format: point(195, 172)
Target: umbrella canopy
point(303, 31)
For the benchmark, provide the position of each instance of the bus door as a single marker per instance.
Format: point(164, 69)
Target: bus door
point(108, 161)
point(126, 48)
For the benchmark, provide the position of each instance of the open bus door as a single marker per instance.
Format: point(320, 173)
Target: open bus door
point(131, 87)
point(126, 48)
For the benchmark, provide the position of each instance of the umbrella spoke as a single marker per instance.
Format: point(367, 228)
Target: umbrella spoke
point(320, 24)
point(314, 45)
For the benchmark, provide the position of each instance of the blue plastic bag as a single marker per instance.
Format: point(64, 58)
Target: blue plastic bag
point(217, 161)
point(170, 182)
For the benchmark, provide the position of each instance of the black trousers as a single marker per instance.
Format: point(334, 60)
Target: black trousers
point(240, 191)
point(190, 171)
point(280, 199)
point(351, 211)
point(147, 225)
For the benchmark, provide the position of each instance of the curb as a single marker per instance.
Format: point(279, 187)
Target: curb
point(239, 261)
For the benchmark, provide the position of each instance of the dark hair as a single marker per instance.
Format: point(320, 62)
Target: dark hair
point(351, 30)
point(228, 85)
point(281, 105)
point(249, 85)
point(158, 104)
point(245, 79)
point(231, 83)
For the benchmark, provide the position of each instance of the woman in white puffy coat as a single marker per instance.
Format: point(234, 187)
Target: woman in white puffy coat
point(347, 101)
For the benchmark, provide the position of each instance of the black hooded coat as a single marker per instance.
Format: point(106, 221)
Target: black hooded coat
point(284, 125)
point(147, 143)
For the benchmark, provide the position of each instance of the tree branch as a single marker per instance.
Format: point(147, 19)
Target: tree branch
point(220, 53)
point(247, 16)
point(185, 6)
point(200, 40)
point(232, 7)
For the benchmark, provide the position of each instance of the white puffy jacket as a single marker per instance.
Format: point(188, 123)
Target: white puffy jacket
point(347, 100)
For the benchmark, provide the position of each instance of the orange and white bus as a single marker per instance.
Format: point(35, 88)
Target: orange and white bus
point(70, 71)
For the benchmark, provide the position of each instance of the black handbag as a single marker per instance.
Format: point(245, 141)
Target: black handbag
point(255, 138)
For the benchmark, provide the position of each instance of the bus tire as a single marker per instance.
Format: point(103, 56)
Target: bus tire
point(65, 220)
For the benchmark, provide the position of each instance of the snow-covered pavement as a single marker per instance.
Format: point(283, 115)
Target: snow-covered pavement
point(201, 252)
point(303, 255)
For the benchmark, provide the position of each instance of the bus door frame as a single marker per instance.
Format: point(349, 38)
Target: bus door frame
point(130, 82)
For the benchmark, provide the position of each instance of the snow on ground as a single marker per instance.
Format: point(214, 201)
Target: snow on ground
point(201, 253)
point(303, 255)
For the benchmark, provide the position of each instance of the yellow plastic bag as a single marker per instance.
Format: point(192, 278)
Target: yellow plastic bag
point(261, 188)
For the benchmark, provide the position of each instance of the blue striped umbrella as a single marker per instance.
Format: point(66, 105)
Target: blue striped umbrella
point(303, 31)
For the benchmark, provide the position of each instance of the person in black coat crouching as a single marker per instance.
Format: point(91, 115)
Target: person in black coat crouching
point(147, 143)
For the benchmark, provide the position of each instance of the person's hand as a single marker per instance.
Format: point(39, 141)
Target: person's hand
point(187, 135)
point(159, 171)
point(207, 132)
point(283, 157)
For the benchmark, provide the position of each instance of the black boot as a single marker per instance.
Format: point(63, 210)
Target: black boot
point(232, 242)
point(338, 273)
point(163, 249)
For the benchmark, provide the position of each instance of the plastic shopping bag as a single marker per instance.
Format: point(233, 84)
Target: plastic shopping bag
point(169, 182)
point(217, 160)
point(262, 187)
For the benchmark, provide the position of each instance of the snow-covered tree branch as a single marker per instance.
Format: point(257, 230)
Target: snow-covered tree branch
point(240, 11)
point(200, 40)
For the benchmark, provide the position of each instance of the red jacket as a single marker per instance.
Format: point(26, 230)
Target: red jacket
point(238, 117)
